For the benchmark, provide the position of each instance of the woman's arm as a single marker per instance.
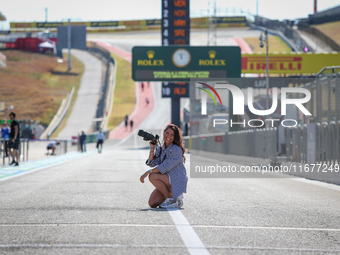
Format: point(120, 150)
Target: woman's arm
point(155, 170)
point(152, 151)
point(152, 161)
point(173, 157)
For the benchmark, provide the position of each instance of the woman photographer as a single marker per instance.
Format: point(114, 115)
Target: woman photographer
point(169, 177)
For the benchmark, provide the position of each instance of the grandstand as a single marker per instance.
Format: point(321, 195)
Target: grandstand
point(329, 15)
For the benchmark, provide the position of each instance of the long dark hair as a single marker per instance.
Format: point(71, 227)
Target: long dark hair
point(178, 139)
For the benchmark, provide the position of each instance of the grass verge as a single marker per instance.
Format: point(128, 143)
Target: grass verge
point(332, 29)
point(35, 84)
point(124, 101)
point(276, 44)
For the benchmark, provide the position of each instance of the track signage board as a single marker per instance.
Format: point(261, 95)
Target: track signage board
point(182, 63)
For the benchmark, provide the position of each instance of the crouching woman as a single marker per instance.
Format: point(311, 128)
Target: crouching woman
point(169, 175)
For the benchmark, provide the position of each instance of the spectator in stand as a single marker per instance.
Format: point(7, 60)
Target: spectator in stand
point(5, 131)
point(82, 140)
point(100, 141)
point(14, 140)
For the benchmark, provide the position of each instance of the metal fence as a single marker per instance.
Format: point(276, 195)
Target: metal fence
point(23, 150)
point(66, 146)
point(263, 143)
point(327, 143)
point(260, 143)
point(324, 104)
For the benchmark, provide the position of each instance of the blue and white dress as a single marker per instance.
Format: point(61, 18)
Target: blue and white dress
point(171, 162)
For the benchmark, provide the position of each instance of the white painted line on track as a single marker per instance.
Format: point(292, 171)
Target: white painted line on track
point(9, 246)
point(182, 223)
point(189, 236)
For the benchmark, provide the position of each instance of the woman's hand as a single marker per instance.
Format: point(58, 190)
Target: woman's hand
point(152, 146)
point(144, 176)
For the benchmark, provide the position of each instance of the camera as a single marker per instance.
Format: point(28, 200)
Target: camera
point(147, 136)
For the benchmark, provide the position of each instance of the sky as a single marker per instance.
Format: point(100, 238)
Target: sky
point(98, 10)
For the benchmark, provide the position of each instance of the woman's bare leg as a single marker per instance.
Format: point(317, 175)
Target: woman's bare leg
point(162, 191)
point(156, 198)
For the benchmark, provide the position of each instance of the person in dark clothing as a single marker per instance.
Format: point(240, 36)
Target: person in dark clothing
point(82, 140)
point(126, 122)
point(14, 140)
point(131, 124)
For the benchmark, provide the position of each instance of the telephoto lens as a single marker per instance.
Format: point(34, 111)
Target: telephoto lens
point(147, 136)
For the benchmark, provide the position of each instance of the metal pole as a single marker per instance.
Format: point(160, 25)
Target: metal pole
point(69, 44)
point(267, 69)
point(27, 148)
point(215, 24)
point(3, 150)
point(208, 23)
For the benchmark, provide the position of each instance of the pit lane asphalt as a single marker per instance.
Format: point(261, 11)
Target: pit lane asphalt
point(96, 204)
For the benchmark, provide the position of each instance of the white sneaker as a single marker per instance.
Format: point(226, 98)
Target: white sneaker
point(179, 202)
point(169, 203)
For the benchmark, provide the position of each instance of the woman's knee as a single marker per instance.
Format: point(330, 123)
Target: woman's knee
point(152, 204)
point(152, 177)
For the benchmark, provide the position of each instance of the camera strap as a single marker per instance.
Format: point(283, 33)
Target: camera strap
point(160, 152)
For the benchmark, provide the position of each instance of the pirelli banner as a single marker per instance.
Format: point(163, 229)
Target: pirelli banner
point(293, 63)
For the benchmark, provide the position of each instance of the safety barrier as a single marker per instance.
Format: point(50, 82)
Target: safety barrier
point(327, 142)
point(23, 150)
point(319, 159)
point(260, 143)
point(66, 146)
point(103, 104)
point(59, 116)
point(312, 151)
point(92, 138)
point(263, 143)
